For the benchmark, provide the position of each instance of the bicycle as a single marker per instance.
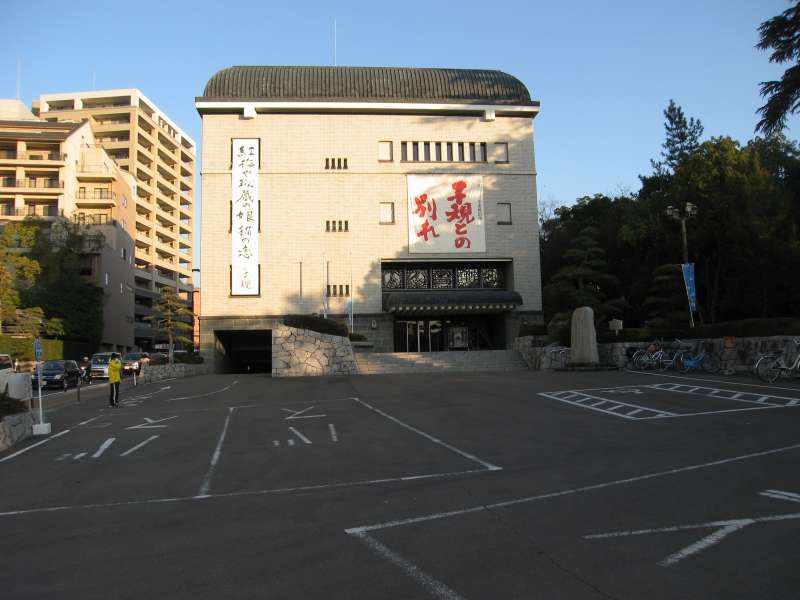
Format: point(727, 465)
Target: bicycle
point(563, 355)
point(772, 366)
point(708, 362)
point(649, 357)
point(673, 359)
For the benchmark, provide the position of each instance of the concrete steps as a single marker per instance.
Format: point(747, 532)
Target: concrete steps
point(430, 362)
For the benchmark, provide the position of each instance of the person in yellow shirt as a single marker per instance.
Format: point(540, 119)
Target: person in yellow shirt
point(114, 371)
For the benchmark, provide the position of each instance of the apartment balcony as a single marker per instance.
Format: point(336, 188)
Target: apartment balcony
point(90, 219)
point(38, 157)
point(96, 172)
point(41, 211)
point(96, 198)
point(112, 126)
point(143, 330)
point(47, 186)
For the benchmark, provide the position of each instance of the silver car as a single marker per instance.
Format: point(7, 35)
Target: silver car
point(100, 365)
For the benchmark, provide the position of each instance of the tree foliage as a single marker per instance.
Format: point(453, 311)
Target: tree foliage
point(781, 34)
point(682, 139)
point(172, 319)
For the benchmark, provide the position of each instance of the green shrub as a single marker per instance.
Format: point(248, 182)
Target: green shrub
point(22, 348)
point(318, 324)
point(357, 337)
point(743, 328)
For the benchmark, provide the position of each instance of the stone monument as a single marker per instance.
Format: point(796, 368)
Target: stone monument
point(584, 338)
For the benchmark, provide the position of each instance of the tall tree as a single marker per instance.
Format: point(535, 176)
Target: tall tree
point(18, 271)
point(171, 319)
point(683, 139)
point(781, 34)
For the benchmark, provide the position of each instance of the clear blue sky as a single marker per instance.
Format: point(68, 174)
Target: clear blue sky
point(603, 71)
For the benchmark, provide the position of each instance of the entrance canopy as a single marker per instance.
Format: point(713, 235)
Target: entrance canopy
point(451, 302)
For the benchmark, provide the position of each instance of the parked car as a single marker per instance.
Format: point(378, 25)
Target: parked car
point(6, 362)
point(132, 362)
point(159, 358)
point(100, 365)
point(58, 374)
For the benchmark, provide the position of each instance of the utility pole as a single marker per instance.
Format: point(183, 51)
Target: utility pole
point(689, 211)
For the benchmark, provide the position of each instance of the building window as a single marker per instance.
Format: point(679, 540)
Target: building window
point(438, 151)
point(482, 152)
point(468, 277)
point(106, 278)
point(426, 151)
point(501, 152)
point(472, 155)
point(492, 277)
point(449, 151)
point(385, 151)
point(387, 213)
point(504, 213)
point(415, 151)
point(417, 279)
point(442, 278)
point(337, 226)
point(461, 152)
point(393, 279)
point(403, 151)
point(121, 287)
point(124, 254)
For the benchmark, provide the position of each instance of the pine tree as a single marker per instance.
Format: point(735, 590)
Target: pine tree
point(171, 319)
point(666, 303)
point(683, 139)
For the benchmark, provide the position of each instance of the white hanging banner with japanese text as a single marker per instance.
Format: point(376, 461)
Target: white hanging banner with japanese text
point(445, 214)
point(244, 218)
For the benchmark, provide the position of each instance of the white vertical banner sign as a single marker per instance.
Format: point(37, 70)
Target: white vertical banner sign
point(446, 214)
point(245, 278)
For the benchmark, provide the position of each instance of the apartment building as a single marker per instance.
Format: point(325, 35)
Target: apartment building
point(161, 157)
point(401, 199)
point(55, 171)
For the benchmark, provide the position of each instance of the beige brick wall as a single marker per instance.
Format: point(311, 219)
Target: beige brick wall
point(298, 195)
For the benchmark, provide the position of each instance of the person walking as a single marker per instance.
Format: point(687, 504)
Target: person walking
point(114, 378)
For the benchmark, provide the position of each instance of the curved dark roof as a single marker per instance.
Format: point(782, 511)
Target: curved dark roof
point(366, 84)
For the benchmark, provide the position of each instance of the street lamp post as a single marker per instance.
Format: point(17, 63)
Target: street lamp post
point(689, 211)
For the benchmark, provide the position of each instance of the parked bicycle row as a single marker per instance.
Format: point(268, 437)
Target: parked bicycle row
point(685, 357)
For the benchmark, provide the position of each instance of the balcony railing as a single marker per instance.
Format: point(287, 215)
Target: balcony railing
point(96, 195)
point(31, 155)
point(35, 210)
point(92, 219)
point(31, 183)
point(95, 168)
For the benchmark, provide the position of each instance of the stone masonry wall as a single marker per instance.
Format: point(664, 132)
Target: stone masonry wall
point(740, 357)
point(299, 352)
point(14, 428)
point(152, 373)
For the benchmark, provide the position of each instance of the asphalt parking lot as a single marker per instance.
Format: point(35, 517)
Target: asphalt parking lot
point(508, 485)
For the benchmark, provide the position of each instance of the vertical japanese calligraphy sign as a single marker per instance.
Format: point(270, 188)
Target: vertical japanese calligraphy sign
point(245, 278)
point(445, 214)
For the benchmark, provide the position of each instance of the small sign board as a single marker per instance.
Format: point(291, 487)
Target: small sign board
point(615, 325)
point(37, 349)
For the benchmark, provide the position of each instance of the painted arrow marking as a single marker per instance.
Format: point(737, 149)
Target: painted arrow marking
point(722, 530)
point(298, 414)
point(303, 438)
point(150, 423)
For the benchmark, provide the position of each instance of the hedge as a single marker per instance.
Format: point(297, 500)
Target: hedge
point(743, 328)
point(22, 348)
point(318, 324)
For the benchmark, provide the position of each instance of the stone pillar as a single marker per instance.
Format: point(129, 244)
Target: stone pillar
point(584, 337)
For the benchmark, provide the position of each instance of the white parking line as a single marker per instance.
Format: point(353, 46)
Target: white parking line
point(584, 398)
point(206, 485)
point(427, 436)
point(79, 456)
point(103, 447)
point(739, 383)
point(334, 436)
point(32, 446)
point(137, 446)
point(303, 438)
point(779, 495)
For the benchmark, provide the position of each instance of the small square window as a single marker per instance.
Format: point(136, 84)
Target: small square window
point(504, 213)
point(501, 152)
point(385, 151)
point(387, 213)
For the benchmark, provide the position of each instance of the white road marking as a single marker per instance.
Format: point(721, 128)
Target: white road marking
point(471, 457)
point(332, 429)
point(715, 412)
point(225, 389)
point(276, 443)
point(267, 492)
point(793, 402)
point(580, 490)
point(717, 393)
point(79, 456)
point(584, 398)
point(139, 445)
point(32, 446)
point(63, 457)
point(87, 421)
point(779, 495)
point(296, 414)
point(739, 383)
point(150, 423)
point(206, 485)
point(434, 587)
point(103, 447)
point(290, 441)
point(303, 438)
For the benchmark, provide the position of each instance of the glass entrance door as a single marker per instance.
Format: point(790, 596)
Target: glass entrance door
point(422, 335)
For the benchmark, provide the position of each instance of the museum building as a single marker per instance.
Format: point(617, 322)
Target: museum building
point(399, 200)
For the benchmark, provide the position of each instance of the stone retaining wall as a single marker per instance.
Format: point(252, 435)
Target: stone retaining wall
point(14, 428)
point(152, 373)
point(299, 352)
point(739, 357)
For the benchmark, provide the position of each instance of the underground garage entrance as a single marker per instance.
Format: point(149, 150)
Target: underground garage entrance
point(244, 351)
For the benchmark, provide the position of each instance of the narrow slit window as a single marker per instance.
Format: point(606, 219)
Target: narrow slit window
point(438, 151)
point(461, 152)
point(482, 152)
point(472, 155)
point(415, 151)
point(404, 151)
point(426, 151)
point(449, 151)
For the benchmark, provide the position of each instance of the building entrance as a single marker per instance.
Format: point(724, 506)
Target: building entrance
point(439, 335)
point(244, 351)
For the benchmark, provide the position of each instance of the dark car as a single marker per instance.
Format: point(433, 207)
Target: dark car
point(59, 374)
point(159, 358)
point(132, 362)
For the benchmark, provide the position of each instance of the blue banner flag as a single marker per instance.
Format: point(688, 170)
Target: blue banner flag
point(691, 290)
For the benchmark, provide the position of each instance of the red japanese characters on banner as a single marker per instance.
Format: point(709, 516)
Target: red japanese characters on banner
point(460, 228)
